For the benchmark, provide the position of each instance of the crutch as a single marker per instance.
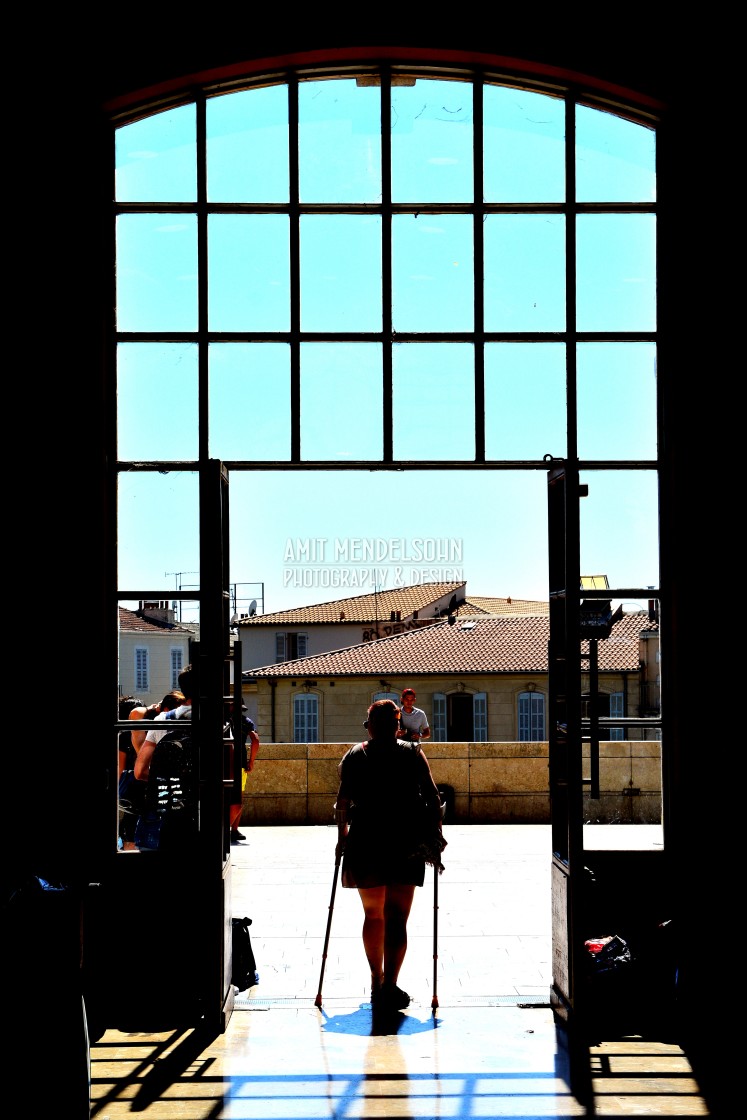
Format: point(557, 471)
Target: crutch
point(318, 1000)
point(434, 1001)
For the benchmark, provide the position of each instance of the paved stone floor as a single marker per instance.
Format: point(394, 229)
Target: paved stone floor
point(487, 1047)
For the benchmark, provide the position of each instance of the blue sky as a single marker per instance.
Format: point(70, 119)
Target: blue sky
point(302, 535)
point(494, 522)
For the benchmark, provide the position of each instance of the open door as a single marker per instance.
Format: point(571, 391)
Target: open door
point(564, 736)
point(633, 892)
point(158, 923)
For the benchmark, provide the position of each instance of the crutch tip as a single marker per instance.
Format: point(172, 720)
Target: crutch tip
point(318, 1000)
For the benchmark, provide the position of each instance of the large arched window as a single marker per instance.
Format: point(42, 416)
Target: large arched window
point(384, 270)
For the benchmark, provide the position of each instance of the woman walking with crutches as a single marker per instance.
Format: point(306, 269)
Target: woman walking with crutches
point(388, 814)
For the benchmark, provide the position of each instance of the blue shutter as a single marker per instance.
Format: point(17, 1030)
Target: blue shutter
point(480, 717)
point(531, 717)
point(176, 667)
point(617, 711)
point(303, 642)
point(305, 718)
point(141, 670)
point(438, 727)
point(538, 717)
point(280, 647)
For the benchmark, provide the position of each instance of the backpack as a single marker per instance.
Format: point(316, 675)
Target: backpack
point(244, 968)
point(170, 806)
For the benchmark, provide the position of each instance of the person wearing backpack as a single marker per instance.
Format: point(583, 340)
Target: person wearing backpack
point(164, 764)
point(182, 711)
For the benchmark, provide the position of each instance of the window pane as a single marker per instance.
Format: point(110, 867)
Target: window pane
point(523, 146)
point(250, 401)
point(247, 146)
point(339, 142)
point(249, 272)
point(157, 380)
point(341, 401)
point(616, 386)
point(433, 401)
point(619, 527)
point(156, 272)
point(525, 392)
point(156, 158)
point(615, 158)
point(524, 272)
point(432, 142)
point(341, 272)
point(432, 273)
point(147, 557)
point(616, 278)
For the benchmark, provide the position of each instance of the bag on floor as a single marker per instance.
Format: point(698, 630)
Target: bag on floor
point(244, 970)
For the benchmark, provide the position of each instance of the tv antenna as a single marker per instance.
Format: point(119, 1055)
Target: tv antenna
point(178, 577)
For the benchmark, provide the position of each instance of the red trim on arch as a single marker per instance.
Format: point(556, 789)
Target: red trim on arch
point(341, 56)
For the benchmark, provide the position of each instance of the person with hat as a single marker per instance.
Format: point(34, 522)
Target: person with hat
point(249, 750)
point(413, 721)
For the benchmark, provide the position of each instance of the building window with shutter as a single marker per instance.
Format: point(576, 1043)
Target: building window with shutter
point(439, 732)
point(480, 717)
point(289, 646)
point(305, 718)
point(177, 659)
point(617, 711)
point(142, 675)
point(531, 717)
point(608, 704)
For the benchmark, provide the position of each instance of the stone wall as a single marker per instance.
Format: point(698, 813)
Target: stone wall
point(296, 783)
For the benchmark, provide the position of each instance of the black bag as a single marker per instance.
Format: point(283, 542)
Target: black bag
point(428, 839)
point(244, 969)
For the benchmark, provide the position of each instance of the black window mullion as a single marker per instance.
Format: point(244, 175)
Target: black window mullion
point(386, 265)
point(571, 355)
point(479, 269)
point(295, 273)
point(202, 282)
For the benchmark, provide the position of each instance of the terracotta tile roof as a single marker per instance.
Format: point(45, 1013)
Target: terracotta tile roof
point(487, 604)
point(363, 608)
point(509, 644)
point(132, 622)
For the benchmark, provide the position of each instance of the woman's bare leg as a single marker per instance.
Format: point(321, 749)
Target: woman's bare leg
point(374, 902)
point(397, 906)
